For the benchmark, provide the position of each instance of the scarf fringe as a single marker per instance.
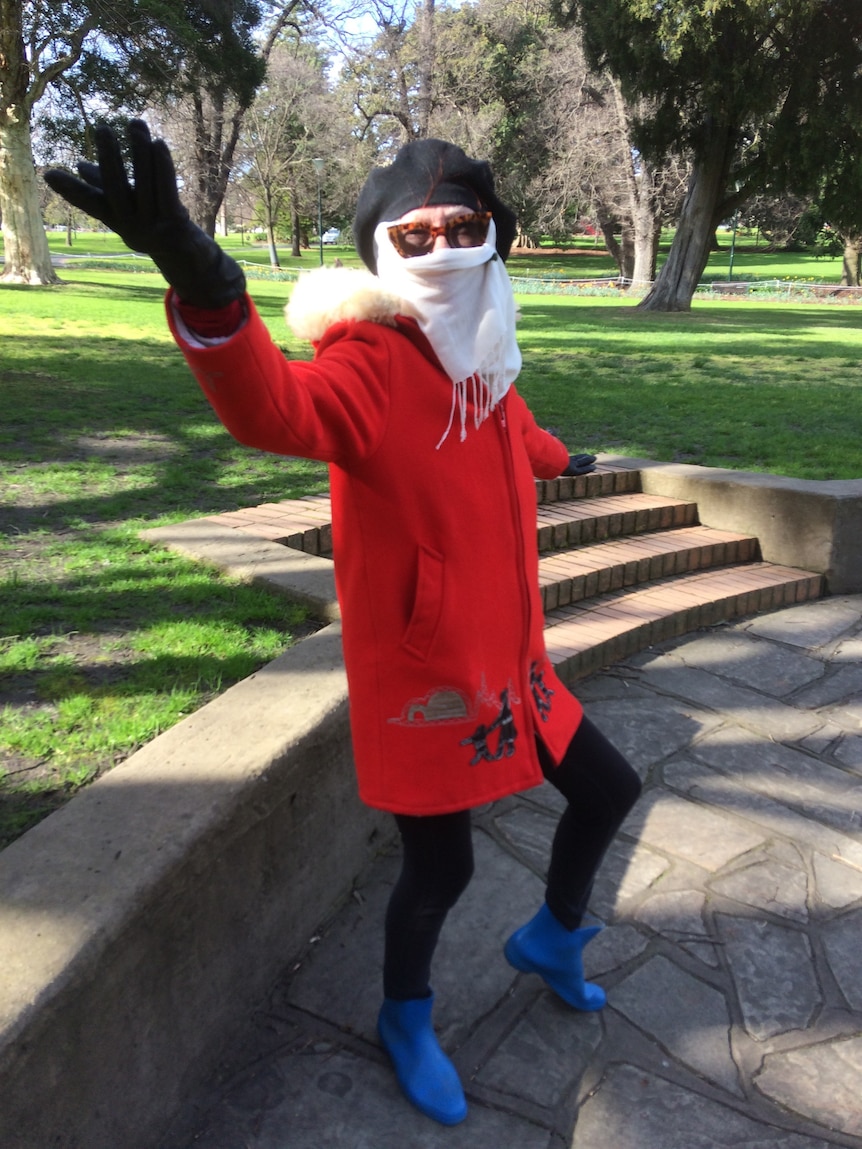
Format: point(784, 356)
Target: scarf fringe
point(484, 402)
point(489, 386)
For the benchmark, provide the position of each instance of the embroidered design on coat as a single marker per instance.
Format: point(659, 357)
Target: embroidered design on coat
point(542, 694)
point(439, 706)
point(504, 725)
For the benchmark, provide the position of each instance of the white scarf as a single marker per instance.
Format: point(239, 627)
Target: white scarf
point(462, 300)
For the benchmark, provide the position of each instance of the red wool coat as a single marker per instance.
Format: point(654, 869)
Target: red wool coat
point(435, 554)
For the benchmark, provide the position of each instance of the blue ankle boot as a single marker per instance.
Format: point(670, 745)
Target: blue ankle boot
point(426, 1075)
point(544, 946)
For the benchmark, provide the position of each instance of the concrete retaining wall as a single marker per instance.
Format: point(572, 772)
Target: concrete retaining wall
point(800, 523)
point(140, 922)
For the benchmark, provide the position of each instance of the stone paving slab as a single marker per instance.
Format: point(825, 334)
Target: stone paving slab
point(745, 659)
point(638, 1110)
point(823, 1079)
point(733, 905)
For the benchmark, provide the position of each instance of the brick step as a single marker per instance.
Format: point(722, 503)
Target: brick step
point(603, 480)
point(583, 637)
point(619, 570)
point(304, 524)
point(571, 576)
point(573, 522)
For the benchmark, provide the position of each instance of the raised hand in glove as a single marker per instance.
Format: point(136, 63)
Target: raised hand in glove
point(148, 216)
point(580, 465)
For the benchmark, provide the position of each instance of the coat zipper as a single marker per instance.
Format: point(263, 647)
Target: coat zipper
point(526, 612)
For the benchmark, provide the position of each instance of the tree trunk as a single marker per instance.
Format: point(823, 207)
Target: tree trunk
point(701, 212)
point(206, 182)
point(606, 222)
point(294, 228)
point(642, 229)
point(852, 260)
point(646, 240)
point(426, 67)
point(646, 217)
point(273, 250)
point(27, 258)
point(627, 253)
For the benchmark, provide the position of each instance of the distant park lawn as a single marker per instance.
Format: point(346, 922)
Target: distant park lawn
point(105, 641)
point(584, 257)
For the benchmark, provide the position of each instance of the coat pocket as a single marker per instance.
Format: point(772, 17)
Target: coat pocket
point(427, 604)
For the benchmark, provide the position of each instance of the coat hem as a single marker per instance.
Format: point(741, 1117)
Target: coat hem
point(429, 810)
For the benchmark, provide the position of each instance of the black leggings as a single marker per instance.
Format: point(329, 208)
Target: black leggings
point(600, 788)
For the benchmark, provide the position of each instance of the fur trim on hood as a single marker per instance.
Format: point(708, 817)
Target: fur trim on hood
point(330, 295)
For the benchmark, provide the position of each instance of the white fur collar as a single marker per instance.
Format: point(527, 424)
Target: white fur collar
point(328, 295)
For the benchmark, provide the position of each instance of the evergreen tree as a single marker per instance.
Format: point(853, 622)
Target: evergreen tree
point(753, 90)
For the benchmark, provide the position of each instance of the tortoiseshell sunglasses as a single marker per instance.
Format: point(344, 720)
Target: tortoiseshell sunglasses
point(411, 239)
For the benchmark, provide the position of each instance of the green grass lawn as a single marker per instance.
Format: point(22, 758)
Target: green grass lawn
point(105, 641)
point(752, 386)
point(254, 254)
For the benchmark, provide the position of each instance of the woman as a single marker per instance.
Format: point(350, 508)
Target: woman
point(432, 454)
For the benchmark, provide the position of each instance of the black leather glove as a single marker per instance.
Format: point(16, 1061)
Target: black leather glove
point(580, 465)
point(148, 215)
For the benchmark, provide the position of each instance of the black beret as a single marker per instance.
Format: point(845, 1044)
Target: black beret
point(428, 172)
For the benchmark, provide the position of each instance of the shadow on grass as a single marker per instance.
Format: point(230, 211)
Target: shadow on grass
point(136, 410)
point(129, 652)
point(22, 809)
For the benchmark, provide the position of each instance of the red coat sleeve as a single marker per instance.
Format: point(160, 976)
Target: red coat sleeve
point(548, 456)
point(333, 409)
